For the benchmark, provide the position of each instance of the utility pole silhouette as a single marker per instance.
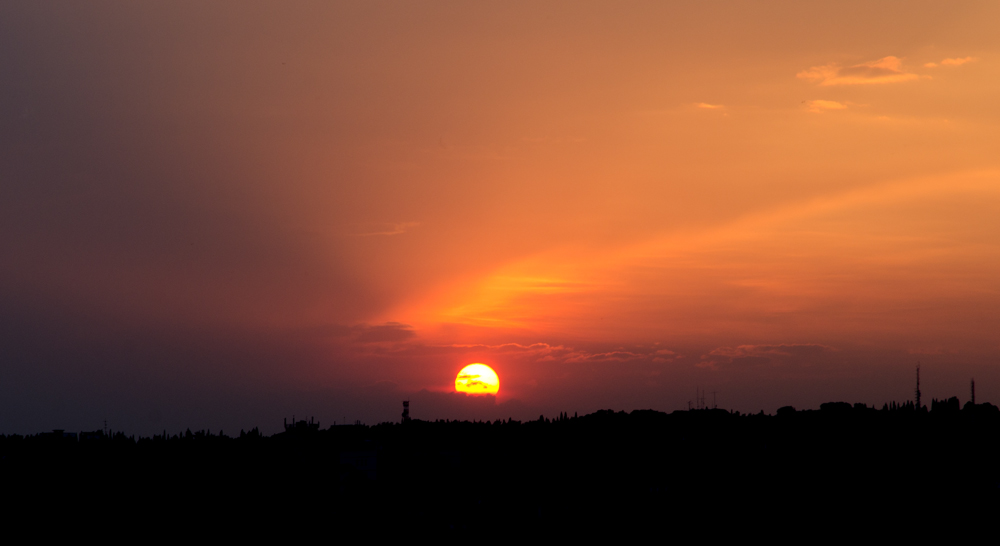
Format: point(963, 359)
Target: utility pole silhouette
point(714, 405)
point(918, 386)
point(973, 391)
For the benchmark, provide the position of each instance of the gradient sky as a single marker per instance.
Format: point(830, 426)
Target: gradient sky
point(221, 214)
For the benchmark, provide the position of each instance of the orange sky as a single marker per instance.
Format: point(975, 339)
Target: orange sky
point(324, 207)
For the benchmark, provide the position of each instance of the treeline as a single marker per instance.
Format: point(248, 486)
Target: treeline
point(948, 410)
point(591, 471)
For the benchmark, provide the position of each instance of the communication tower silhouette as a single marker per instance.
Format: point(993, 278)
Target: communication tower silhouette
point(699, 399)
point(918, 386)
point(406, 411)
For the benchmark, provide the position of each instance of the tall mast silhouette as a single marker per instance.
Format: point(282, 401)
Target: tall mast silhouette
point(918, 386)
point(973, 386)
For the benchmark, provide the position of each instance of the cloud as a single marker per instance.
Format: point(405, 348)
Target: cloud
point(820, 105)
point(756, 355)
point(390, 229)
point(388, 332)
point(401, 341)
point(884, 70)
point(616, 356)
point(958, 61)
point(544, 352)
point(471, 380)
point(707, 106)
point(533, 350)
point(793, 349)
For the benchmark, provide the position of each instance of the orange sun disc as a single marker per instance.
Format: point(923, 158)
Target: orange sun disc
point(477, 379)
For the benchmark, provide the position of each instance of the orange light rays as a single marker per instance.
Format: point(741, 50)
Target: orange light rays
point(808, 269)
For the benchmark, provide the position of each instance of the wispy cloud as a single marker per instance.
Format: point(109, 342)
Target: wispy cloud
point(884, 70)
point(613, 356)
point(790, 349)
point(958, 61)
point(752, 355)
point(390, 229)
point(382, 333)
point(544, 352)
point(820, 105)
point(707, 106)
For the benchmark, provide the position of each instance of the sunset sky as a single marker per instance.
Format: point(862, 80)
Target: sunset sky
point(219, 214)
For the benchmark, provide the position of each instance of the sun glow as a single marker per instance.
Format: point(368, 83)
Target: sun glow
point(477, 379)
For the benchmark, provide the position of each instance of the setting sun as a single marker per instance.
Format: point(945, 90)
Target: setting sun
point(477, 379)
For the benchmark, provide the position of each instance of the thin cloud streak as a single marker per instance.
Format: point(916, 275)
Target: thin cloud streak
point(820, 105)
point(959, 61)
point(882, 71)
point(391, 229)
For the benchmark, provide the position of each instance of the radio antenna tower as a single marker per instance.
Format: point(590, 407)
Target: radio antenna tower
point(918, 386)
point(973, 392)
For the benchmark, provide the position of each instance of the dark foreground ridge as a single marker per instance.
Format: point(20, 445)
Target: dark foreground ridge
point(855, 465)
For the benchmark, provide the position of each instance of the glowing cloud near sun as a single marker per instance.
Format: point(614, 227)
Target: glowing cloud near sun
point(477, 379)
